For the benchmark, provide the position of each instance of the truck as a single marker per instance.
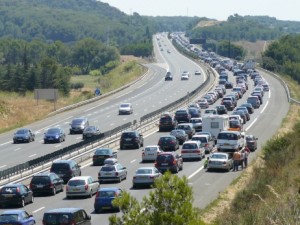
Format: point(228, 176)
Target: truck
point(215, 124)
point(249, 64)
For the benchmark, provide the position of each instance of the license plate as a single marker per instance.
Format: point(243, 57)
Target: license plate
point(128, 139)
point(107, 173)
point(76, 189)
point(100, 156)
point(50, 138)
point(106, 207)
point(150, 154)
point(226, 144)
point(39, 186)
point(9, 195)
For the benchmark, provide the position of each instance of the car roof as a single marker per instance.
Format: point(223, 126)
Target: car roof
point(80, 178)
point(150, 146)
point(109, 189)
point(146, 168)
point(63, 210)
point(13, 211)
point(43, 174)
point(63, 161)
point(13, 185)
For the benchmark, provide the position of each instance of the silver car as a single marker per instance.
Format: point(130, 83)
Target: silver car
point(125, 108)
point(81, 186)
point(220, 160)
point(145, 176)
point(115, 172)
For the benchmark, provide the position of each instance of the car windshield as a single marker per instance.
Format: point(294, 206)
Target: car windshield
point(53, 131)
point(102, 152)
point(77, 121)
point(124, 105)
point(91, 128)
point(21, 132)
point(108, 168)
point(218, 156)
point(76, 183)
point(144, 171)
point(8, 218)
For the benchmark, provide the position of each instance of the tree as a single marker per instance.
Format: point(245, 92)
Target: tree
point(169, 204)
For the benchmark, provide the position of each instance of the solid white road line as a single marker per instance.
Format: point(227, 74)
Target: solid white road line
point(32, 155)
point(2, 166)
point(251, 124)
point(17, 149)
point(197, 171)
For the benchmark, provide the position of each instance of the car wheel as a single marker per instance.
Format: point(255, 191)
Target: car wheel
point(62, 188)
point(134, 186)
point(32, 199)
point(22, 203)
point(54, 191)
point(120, 180)
point(91, 194)
point(15, 142)
point(45, 142)
point(121, 147)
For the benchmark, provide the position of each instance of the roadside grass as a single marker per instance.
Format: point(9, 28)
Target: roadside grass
point(17, 111)
point(268, 190)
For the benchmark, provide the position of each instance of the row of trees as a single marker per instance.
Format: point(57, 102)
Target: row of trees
point(284, 56)
point(27, 65)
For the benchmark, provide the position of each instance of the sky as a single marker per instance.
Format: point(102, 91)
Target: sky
point(212, 9)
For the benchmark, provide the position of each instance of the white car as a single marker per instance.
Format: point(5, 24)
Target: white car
point(197, 72)
point(125, 108)
point(81, 186)
point(184, 77)
point(150, 153)
point(192, 150)
point(145, 176)
point(220, 160)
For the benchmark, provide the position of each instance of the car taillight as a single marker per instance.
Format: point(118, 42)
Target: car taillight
point(86, 187)
point(151, 177)
point(136, 139)
point(134, 177)
point(73, 222)
point(159, 143)
point(174, 162)
point(155, 164)
point(18, 190)
point(143, 153)
point(31, 186)
point(99, 174)
point(67, 188)
point(206, 145)
point(197, 151)
point(117, 174)
point(116, 194)
point(51, 185)
point(97, 194)
point(183, 151)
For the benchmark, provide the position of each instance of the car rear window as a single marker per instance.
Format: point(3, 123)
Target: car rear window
point(76, 182)
point(144, 171)
point(164, 158)
point(227, 136)
point(218, 156)
point(150, 149)
point(107, 194)
point(102, 152)
point(60, 166)
point(128, 134)
point(184, 127)
point(108, 168)
point(57, 218)
point(202, 139)
point(40, 179)
point(166, 118)
point(189, 146)
point(9, 190)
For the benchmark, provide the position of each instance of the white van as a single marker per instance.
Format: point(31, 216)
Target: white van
point(229, 141)
point(192, 150)
point(150, 153)
point(207, 142)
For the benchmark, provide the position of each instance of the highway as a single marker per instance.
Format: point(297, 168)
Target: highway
point(206, 185)
point(147, 95)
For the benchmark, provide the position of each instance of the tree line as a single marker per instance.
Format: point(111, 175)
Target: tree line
point(283, 56)
point(26, 65)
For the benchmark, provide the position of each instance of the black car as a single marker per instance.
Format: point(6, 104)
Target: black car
point(169, 161)
point(15, 194)
point(131, 139)
point(167, 122)
point(249, 107)
point(228, 104)
point(46, 183)
point(251, 142)
point(66, 169)
point(90, 131)
point(67, 216)
point(168, 142)
point(221, 109)
point(180, 135)
point(182, 116)
point(23, 135)
point(55, 134)
point(168, 76)
point(228, 85)
point(101, 154)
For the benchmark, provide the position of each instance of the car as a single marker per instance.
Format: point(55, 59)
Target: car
point(169, 161)
point(168, 142)
point(145, 176)
point(251, 142)
point(266, 87)
point(132, 138)
point(245, 110)
point(231, 98)
point(23, 135)
point(207, 142)
point(194, 105)
point(254, 101)
point(168, 76)
point(115, 172)
point(84, 186)
point(249, 107)
point(258, 94)
point(192, 150)
point(16, 216)
point(125, 108)
point(15, 194)
point(228, 104)
point(184, 77)
point(186, 73)
point(78, 125)
point(188, 128)
point(195, 112)
point(66, 216)
point(66, 169)
point(222, 82)
point(220, 160)
point(236, 117)
point(182, 116)
point(90, 131)
point(46, 183)
point(220, 92)
point(55, 134)
point(210, 111)
point(100, 154)
point(180, 135)
point(228, 85)
point(221, 109)
point(209, 99)
point(167, 122)
point(235, 125)
point(197, 72)
point(197, 124)
point(230, 141)
point(242, 114)
point(259, 89)
point(203, 103)
point(150, 153)
point(104, 198)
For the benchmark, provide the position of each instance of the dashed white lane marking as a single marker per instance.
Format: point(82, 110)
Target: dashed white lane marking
point(132, 161)
point(197, 171)
point(17, 149)
point(2, 166)
point(32, 155)
point(35, 211)
point(96, 106)
point(251, 124)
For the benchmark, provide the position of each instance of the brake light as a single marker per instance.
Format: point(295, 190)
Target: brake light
point(143, 154)
point(155, 164)
point(117, 174)
point(206, 145)
point(197, 151)
point(159, 143)
point(134, 177)
point(99, 174)
point(51, 185)
point(18, 190)
point(136, 139)
point(31, 186)
point(151, 177)
point(174, 162)
point(116, 194)
point(183, 151)
point(73, 222)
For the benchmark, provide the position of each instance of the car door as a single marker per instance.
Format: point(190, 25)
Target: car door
point(26, 193)
point(121, 170)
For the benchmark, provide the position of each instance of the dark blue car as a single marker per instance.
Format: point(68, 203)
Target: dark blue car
point(23, 135)
point(16, 217)
point(104, 198)
point(55, 134)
